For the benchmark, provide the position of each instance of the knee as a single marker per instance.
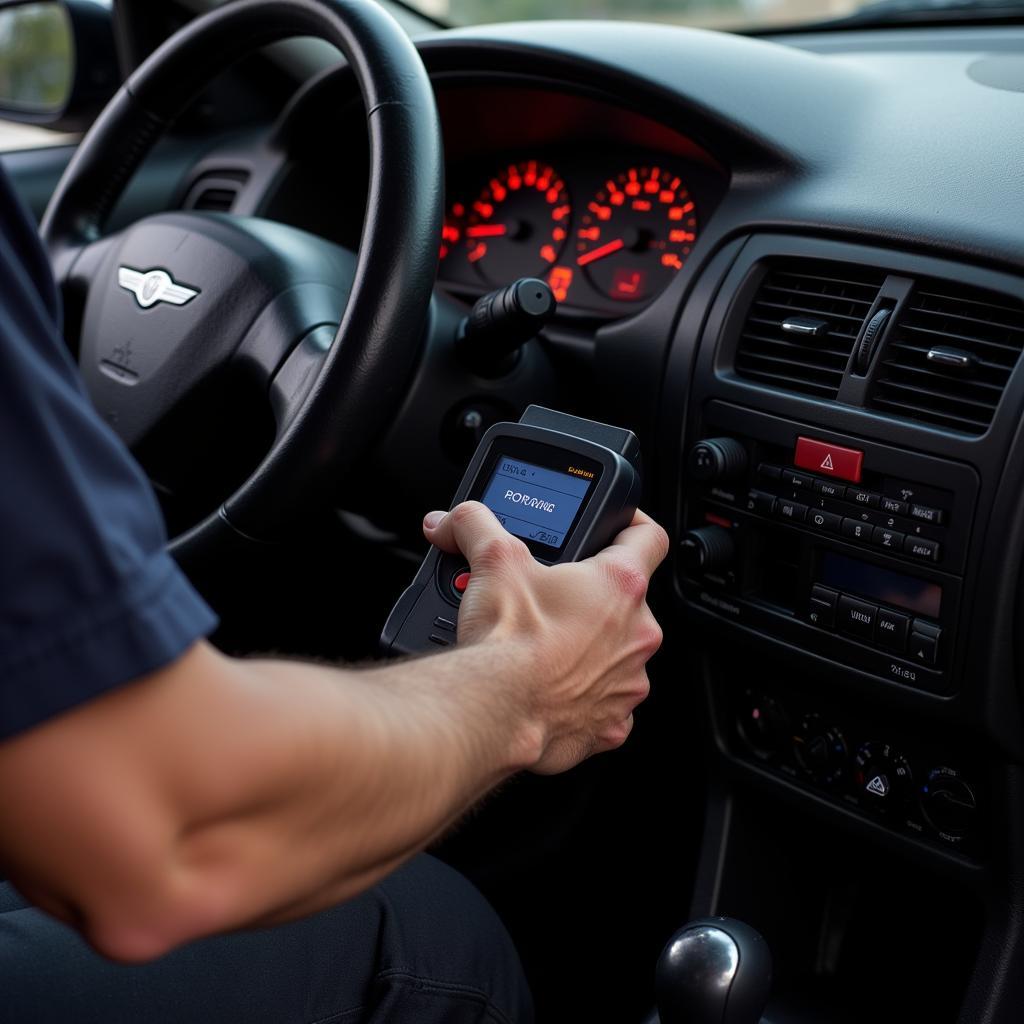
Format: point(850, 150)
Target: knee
point(437, 926)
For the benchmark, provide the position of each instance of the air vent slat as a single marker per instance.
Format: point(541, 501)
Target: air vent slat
point(789, 307)
point(794, 383)
point(918, 354)
point(995, 302)
point(797, 350)
point(966, 339)
point(908, 409)
point(839, 294)
point(941, 383)
point(828, 284)
point(926, 394)
point(985, 328)
point(995, 325)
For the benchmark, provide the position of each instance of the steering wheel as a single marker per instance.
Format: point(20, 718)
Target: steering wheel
point(176, 298)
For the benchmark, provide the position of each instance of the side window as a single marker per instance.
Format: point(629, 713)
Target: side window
point(15, 137)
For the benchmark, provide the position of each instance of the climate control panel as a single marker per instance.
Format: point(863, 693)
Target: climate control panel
point(923, 788)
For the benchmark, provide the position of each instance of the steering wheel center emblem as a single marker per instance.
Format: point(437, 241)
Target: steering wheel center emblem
point(152, 286)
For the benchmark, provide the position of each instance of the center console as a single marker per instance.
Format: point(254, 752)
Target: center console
point(846, 501)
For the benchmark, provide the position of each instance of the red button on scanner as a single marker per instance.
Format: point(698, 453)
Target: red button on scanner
point(828, 459)
point(460, 582)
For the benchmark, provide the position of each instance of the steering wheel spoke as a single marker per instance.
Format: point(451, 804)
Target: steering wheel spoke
point(296, 377)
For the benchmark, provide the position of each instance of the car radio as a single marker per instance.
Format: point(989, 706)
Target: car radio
point(564, 485)
point(848, 549)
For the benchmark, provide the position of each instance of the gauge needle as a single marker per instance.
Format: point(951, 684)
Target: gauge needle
point(602, 250)
point(486, 230)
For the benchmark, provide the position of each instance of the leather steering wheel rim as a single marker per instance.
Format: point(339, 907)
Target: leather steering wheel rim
point(363, 375)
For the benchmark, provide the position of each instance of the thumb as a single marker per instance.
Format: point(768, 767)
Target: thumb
point(468, 529)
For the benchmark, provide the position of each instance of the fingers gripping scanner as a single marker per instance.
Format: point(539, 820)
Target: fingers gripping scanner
point(563, 485)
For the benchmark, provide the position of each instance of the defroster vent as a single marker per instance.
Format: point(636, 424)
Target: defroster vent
point(949, 356)
point(803, 323)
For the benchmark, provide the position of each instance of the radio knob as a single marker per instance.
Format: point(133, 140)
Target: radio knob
point(949, 803)
point(718, 458)
point(707, 549)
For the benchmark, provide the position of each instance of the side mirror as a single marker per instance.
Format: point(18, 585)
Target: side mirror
point(58, 62)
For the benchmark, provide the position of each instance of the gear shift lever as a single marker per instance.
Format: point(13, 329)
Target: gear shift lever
point(713, 971)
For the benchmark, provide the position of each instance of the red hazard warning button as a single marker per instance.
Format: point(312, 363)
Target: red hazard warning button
point(828, 459)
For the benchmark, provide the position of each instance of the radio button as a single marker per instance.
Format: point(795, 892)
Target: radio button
point(822, 520)
point(822, 610)
point(862, 497)
point(856, 530)
point(768, 471)
point(921, 547)
point(927, 628)
point(827, 489)
point(760, 501)
point(798, 480)
point(924, 649)
point(894, 507)
point(857, 617)
point(790, 510)
point(828, 459)
point(926, 514)
point(888, 538)
point(892, 630)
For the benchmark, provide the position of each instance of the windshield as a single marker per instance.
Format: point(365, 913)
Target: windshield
point(718, 14)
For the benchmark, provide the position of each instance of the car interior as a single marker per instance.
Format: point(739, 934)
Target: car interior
point(788, 259)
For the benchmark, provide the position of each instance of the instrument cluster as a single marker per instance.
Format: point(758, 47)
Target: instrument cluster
point(608, 235)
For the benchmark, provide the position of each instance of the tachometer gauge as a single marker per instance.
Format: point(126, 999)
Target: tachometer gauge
point(636, 233)
point(454, 225)
point(518, 226)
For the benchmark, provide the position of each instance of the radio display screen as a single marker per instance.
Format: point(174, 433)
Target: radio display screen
point(534, 502)
point(855, 577)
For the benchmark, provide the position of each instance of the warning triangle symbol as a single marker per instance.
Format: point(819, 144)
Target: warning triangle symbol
point(878, 786)
point(827, 464)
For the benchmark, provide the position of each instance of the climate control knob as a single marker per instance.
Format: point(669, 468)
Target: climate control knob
point(764, 724)
point(948, 803)
point(707, 549)
point(717, 458)
point(882, 777)
point(821, 750)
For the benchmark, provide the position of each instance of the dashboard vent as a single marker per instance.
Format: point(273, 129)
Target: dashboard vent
point(215, 191)
point(950, 356)
point(803, 323)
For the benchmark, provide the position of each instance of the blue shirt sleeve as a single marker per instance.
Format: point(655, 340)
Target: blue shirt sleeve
point(89, 598)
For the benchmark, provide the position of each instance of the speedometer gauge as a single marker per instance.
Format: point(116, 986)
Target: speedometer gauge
point(636, 233)
point(518, 226)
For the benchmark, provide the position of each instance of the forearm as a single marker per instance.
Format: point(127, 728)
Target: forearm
point(220, 794)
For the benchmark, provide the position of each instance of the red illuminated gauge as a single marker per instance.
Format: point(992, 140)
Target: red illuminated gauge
point(518, 226)
point(636, 233)
point(454, 226)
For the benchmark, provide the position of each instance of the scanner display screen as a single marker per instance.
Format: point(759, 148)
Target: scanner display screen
point(534, 502)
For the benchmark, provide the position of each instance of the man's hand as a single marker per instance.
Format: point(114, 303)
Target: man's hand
point(578, 634)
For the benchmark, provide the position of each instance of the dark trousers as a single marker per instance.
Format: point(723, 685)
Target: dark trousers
point(423, 946)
